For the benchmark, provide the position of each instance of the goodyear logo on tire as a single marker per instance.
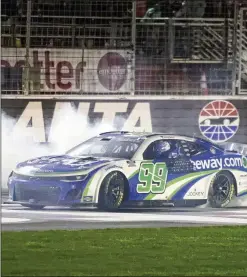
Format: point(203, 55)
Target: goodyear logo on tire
point(219, 121)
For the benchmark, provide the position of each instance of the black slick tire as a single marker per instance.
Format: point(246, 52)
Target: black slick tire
point(111, 193)
point(222, 190)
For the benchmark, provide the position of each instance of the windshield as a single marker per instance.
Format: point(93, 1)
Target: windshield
point(116, 147)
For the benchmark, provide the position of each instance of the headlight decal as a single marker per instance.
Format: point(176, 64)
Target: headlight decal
point(77, 178)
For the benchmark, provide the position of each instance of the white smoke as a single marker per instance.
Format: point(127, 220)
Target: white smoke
point(15, 148)
point(69, 130)
point(237, 202)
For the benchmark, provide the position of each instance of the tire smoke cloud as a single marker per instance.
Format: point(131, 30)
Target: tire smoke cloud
point(18, 145)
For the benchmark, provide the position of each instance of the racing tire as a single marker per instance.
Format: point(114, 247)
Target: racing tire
point(34, 207)
point(111, 194)
point(222, 190)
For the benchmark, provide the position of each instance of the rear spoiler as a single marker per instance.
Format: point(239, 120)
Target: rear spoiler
point(235, 147)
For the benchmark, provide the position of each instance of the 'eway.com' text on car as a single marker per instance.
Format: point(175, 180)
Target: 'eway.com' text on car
point(119, 169)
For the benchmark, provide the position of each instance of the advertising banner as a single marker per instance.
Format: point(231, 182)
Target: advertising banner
point(219, 121)
point(72, 70)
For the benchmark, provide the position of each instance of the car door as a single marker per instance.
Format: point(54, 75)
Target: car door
point(163, 161)
point(153, 171)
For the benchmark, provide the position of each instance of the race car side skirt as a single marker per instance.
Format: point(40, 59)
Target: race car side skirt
point(144, 204)
point(162, 203)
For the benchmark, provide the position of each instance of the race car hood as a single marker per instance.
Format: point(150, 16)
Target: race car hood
point(63, 164)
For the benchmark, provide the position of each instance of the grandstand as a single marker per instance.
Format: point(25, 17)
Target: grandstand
point(127, 47)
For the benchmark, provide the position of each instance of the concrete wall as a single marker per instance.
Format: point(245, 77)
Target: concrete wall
point(189, 117)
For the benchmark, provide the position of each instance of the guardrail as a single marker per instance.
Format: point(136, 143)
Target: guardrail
point(190, 40)
point(242, 52)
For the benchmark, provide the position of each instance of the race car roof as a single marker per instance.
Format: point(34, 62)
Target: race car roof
point(146, 135)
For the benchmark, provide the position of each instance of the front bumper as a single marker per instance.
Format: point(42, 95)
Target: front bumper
point(44, 191)
point(71, 204)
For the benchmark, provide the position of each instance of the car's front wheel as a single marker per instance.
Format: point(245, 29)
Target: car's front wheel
point(111, 193)
point(33, 207)
point(222, 190)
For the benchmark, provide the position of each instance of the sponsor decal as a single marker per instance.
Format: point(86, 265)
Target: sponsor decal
point(218, 163)
point(152, 178)
point(196, 193)
point(70, 70)
point(244, 160)
point(87, 199)
point(219, 121)
point(112, 71)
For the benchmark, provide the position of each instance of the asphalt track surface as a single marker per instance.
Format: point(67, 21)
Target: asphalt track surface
point(18, 218)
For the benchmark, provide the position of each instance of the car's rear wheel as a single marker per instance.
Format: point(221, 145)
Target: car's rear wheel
point(33, 207)
point(111, 193)
point(222, 190)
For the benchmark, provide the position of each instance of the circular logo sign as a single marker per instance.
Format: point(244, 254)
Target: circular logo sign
point(219, 121)
point(112, 71)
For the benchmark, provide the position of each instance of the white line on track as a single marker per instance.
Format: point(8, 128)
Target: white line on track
point(10, 205)
point(128, 217)
point(103, 214)
point(9, 220)
point(238, 215)
point(166, 218)
point(235, 211)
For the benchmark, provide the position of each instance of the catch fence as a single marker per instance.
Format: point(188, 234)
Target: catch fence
point(113, 47)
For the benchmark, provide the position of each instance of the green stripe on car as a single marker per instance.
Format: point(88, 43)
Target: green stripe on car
point(85, 192)
point(191, 177)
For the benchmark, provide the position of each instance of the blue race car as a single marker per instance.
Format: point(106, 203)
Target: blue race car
point(119, 169)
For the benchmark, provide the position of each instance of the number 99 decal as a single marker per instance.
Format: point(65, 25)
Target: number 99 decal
point(152, 177)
